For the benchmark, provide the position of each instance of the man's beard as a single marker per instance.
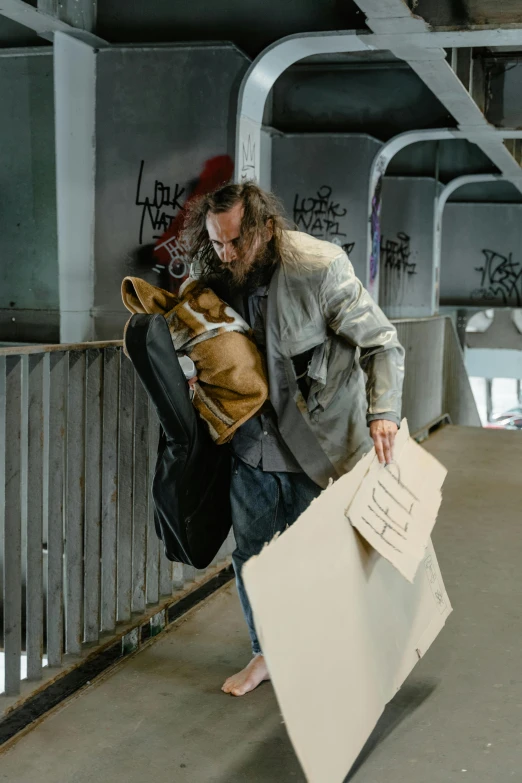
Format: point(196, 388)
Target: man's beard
point(246, 276)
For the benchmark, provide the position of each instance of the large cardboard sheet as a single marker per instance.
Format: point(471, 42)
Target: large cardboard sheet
point(340, 627)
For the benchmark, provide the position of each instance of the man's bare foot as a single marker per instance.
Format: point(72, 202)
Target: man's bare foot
point(248, 679)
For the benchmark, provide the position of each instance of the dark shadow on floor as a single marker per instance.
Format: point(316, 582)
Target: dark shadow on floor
point(266, 758)
point(407, 700)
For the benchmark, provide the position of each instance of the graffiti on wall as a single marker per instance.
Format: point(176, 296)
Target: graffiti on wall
point(398, 267)
point(248, 159)
point(158, 208)
point(162, 212)
point(500, 279)
point(320, 215)
point(396, 255)
point(375, 230)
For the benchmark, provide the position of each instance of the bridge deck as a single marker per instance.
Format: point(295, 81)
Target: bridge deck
point(161, 715)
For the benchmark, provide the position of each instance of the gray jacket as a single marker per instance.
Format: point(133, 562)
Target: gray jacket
point(315, 302)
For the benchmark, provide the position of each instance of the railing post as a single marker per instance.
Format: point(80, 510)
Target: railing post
point(125, 499)
point(111, 382)
point(75, 503)
point(153, 544)
point(34, 556)
point(166, 585)
point(55, 518)
point(13, 526)
point(93, 467)
point(140, 491)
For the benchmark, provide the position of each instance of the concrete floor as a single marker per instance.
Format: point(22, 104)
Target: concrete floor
point(161, 715)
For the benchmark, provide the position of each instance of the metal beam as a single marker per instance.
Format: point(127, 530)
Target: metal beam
point(394, 29)
point(78, 13)
point(440, 203)
point(430, 65)
point(75, 127)
point(43, 23)
point(448, 39)
point(490, 141)
point(378, 170)
point(276, 58)
point(261, 77)
point(282, 54)
point(422, 50)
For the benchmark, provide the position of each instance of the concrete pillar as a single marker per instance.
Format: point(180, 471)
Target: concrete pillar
point(407, 283)
point(323, 181)
point(75, 111)
point(480, 261)
point(139, 129)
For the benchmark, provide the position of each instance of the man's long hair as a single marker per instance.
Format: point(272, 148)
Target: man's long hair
point(259, 210)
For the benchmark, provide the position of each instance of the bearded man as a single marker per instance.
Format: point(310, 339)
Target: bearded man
point(335, 369)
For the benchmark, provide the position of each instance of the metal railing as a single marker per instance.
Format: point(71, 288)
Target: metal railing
point(436, 383)
point(78, 439)
point(81, 559)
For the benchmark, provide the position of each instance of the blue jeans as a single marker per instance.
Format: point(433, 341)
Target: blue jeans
point(263, 504)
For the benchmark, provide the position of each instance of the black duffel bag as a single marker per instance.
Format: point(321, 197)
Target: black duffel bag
point(191, 482)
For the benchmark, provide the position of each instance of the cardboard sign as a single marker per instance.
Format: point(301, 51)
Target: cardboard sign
point(395, 507)
point(340, 627)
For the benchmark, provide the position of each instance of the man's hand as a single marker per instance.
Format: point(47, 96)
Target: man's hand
point(383, 433)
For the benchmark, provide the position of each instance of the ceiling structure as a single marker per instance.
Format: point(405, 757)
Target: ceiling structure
point(253, 25)
point(402, 83)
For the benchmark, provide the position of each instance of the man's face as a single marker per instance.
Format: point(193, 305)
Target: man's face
point(224, 231)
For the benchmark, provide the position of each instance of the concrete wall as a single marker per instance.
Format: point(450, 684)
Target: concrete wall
point(482, 255)
point(323, 181)
point(153, 117)
point(28, 246)
point(161, 113)
point(406, 271)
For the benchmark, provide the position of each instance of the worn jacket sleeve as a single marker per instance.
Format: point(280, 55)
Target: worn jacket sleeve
point(351, 313)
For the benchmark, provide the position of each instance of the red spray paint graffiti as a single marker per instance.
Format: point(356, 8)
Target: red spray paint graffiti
point(169, 257)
